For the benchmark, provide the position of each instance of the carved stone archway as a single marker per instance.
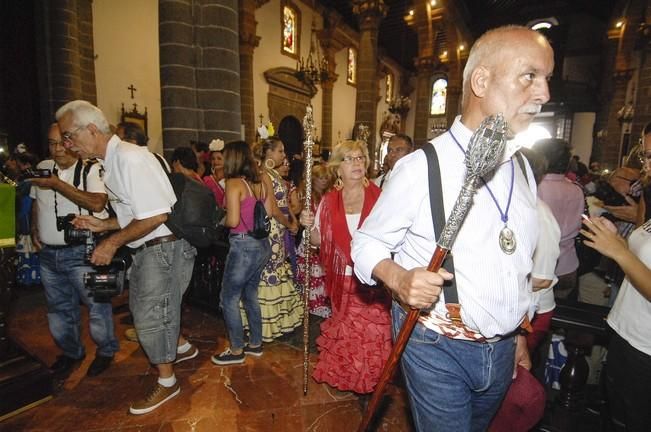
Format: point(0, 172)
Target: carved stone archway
point(287, 95)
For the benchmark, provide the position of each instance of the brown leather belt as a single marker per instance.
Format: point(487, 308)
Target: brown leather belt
point(155, 241)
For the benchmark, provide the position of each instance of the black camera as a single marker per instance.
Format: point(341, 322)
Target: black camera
point(30, 173)
point(75, 236)
point(107, 281)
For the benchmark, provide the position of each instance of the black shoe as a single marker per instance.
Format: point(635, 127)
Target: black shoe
point(99, 365)
point(64, 365)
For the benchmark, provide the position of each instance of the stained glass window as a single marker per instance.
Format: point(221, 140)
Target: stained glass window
point(290, 30)
point(351, 77)
point(389, 88)
point(439, 94)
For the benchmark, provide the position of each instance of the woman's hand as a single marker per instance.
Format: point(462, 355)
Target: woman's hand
point(625, 212)
point(601, 235)
point(306, 218)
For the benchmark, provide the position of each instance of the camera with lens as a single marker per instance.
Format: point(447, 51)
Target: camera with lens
point(31, 173)
point(75, 236)
point(107, 281)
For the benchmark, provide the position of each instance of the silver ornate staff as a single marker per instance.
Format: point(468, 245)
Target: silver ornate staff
point(484, 152)
point(308, 128)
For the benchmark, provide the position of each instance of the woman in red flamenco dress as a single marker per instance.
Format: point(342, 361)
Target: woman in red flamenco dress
point(356, 340)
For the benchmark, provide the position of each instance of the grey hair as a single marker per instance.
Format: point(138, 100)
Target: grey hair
point(485, 49)
point(84, 113)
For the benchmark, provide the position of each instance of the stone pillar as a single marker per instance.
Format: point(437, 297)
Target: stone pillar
point(620, 67)
point(326, 115)
point(65, 71)
point(86, 51)
point(248, 42)
point(369, 14)
point(643, 96)
point(330, 47)
point(200, 71)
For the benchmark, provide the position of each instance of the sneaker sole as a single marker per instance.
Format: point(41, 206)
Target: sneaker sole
point(136, 411)
point(177, 361)
point(254, 354)
point(225, 362)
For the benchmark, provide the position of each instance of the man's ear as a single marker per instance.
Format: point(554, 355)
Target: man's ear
point(92, 128)
point(479, 79)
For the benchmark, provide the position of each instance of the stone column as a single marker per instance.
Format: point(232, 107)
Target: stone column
point(248, 42)
point(200, 71)
point(369, 14)
point(620, 63)
point(326, 115)
point(330, 47)
point(86, 51)
point(64, 52)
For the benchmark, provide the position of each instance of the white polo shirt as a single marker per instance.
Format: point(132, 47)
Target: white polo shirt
point(46, 216)
point(630, 316)
point(494, 288)
point(137, 186)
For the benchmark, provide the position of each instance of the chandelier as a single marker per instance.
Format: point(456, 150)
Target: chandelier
point(314, 69)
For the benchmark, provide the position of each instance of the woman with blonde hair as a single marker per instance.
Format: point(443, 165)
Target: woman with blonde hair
point(280, 303)
point(355, 341)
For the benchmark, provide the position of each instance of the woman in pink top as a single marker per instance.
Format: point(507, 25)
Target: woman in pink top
point(247, 255)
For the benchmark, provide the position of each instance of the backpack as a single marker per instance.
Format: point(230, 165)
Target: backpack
point(261, 220)
point(195, 216)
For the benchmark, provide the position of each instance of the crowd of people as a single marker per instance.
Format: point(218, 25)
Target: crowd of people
point(369, 242)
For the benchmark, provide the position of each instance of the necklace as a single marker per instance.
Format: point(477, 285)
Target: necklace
point(506, 238)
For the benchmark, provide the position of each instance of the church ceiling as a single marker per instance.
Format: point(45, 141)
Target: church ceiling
point(400, 42)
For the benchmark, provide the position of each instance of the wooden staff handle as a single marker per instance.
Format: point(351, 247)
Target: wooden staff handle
point(399, 346)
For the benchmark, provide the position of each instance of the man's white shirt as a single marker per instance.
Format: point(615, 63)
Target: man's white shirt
point(494, 288)
point(137, 186)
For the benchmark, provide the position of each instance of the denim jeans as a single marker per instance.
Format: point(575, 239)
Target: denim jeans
point(62, 275)
point(160, 274)
point(453, 385)
point(244, 264)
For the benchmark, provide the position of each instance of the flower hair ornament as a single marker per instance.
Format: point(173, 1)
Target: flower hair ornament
point(216, 145)
point(265, 131)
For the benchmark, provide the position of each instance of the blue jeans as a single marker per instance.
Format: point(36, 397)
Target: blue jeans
point(453, 385)
point(160, 274)
point(62, 275)
point(244, 264)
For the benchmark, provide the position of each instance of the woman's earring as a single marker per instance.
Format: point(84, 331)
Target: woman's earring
point(365, 182)
point(339, 184)
point(269, 164)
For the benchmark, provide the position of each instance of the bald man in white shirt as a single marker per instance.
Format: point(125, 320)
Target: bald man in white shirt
point(456, 376)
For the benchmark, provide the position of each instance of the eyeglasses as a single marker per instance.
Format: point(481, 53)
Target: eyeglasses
point(397, 150)
point(68, 135)
point(54, 143)
point(351, 159)
point(644, 156)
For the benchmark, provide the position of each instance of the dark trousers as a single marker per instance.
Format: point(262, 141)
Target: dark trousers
point(629, 382)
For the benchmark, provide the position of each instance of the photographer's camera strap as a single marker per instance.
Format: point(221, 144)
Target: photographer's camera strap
point(80, 168)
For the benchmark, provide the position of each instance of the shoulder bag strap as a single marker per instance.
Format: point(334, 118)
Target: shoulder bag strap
point(438, 219)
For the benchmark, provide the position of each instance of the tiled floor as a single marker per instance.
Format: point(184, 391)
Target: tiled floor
point(265, 394)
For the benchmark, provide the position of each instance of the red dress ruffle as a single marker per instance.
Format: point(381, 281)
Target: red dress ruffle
point(355, 342)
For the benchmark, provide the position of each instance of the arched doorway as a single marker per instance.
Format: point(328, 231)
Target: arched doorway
point(290, 132)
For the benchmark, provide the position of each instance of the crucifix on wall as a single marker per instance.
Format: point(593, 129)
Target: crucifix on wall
point(132, 89)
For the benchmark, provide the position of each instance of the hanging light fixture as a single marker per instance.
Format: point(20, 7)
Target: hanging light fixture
point(314, 69)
